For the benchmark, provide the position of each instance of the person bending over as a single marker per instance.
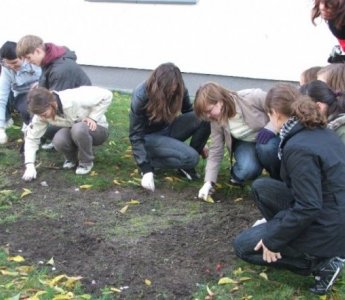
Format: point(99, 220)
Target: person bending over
point(80, 115)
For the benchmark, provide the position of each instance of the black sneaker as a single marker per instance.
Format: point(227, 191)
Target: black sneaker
point(326, 275)
point(190, 174)
point(234, 182)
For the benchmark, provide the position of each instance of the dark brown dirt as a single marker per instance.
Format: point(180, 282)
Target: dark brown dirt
point(186, 242)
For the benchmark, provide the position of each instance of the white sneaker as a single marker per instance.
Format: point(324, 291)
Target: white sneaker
point(9, 123)
point(260, 221)
point(83, 169)
point(69, 164)
point(47, 146)
point(3, 136)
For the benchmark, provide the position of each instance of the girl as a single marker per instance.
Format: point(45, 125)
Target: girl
point(332, 105)
point(239, 120)
point(161, 119)
point(306, 212)
point(80, 113)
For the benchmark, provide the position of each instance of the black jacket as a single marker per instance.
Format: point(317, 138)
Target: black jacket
point(140, 125)
point(313, 168)
point(63, 73)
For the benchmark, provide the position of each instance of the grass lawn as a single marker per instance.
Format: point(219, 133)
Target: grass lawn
point(109, 208)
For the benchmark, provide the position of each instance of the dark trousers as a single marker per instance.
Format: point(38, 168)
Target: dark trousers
point(271, 196)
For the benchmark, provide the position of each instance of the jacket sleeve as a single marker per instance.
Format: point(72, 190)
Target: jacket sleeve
point(36, 130)
point(186, 104)
point(100, 101)
point(216, 152)
point(137, 122)
point(304, 172)
point(5, 89)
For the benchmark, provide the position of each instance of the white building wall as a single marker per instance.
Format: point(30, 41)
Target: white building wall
point(267, 39)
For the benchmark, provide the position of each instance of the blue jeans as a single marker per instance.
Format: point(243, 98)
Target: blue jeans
point(271, 196)
point(268, 157)
point(166, 148)
point(247, 165)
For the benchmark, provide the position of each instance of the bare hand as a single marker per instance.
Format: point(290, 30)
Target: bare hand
point(267, 255)
point(90, 123)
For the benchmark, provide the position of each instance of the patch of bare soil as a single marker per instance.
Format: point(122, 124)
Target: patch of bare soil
point(176, 249)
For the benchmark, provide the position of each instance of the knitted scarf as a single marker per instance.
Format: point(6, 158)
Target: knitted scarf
point(286, 128)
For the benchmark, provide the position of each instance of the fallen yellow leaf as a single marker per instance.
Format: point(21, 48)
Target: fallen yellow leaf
point(85, 186)
point(71, 281)
point(238, 199)
point(25, 193)
point(50, 262)
point(116, 182)
point(234, 289)
point(226, 280)
point(245, 279)
point(209, 199)
point(8, 273)
point(115, 290)
point(209, 292)
point(169, 179)
point(148, 282)
point(93, 173)
point(263, 275)
point(124, 209)
point(24, 270)
point(17, 258)
point(67, 296)
point(56, 279)
point(37, 295)
point(133, 202)
point(238, 271)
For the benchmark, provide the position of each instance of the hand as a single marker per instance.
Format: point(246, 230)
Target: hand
point(30, 172)
point(206, 189)
point(267, 255)
point(264, 135)
point(90, 123)
point(147, 182)
point(3, 136)
point(204, 152)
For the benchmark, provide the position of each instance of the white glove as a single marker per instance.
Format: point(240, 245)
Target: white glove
point(147, 182)
point(30, 172)
point(206, 189)
point(3, 136)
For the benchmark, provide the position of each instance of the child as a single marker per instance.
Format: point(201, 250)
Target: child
point(80, 115)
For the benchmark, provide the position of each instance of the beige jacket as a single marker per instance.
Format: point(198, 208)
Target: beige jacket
point(251, 105)
point(77, 104)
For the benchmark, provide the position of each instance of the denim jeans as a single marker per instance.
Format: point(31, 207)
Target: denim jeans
point(271, 196)
point(247, 165)
point(268, 157)
point(166, 148)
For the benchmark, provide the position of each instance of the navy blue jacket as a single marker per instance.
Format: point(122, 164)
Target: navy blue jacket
point(313, 168)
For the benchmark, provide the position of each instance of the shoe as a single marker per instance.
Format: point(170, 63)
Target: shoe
point(83, 169)
point(47, 146)
point(9, 123)
point(260, 221)
point(326, 275)
point(190, 174)
point(69, 164)
point(235, 182)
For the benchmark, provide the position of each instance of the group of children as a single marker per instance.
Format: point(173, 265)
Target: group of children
point(283, 131)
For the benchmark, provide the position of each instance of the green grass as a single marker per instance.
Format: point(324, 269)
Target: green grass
point(114, 162)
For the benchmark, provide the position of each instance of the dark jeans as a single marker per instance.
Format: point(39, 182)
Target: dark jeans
point(268, 157)
point(271, 196)
point(166, 148)
point(19, 104)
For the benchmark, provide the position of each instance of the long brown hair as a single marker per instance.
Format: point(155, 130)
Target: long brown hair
point(284, 98)
point(40, 100)
point(165, 90)
point(338, 8)
point(209, 94)
point(334, 76)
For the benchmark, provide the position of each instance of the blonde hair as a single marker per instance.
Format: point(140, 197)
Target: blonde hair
point(210, 93)
point(334, 76)
point(28, 44)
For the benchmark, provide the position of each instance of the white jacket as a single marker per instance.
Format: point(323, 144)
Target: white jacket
point(77, 104)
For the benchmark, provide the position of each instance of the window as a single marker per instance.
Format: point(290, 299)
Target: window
point(150, 1)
